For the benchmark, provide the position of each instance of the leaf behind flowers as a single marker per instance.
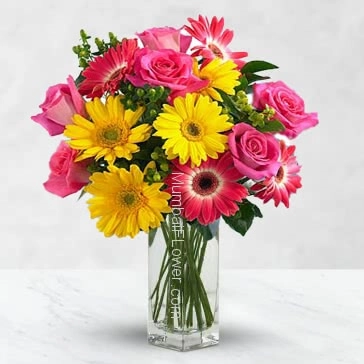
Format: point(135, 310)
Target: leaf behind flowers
point(243, 219)
point(257, 66)
point(271, 126)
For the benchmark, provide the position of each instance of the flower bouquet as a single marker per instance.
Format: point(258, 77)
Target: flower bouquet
point(168, 134)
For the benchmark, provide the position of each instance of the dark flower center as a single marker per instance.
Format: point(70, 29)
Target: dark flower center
point(193, 129)
point(129, 199)
point(280, 174)
point(205, 183)
point(112, 135)
point(215, 50)
point(117, 74)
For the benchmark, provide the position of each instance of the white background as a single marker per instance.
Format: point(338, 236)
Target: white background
point(319, 48)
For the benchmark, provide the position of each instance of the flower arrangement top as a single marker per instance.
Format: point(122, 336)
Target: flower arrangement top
point(175, 105)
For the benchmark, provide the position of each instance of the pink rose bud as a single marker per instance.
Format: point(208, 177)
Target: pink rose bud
point(289, 107)
point(67, 176)
point(255, 154)
point(165, 38)
point(61, 103)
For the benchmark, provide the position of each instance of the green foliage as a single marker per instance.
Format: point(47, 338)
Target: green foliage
point(252, 77)
point(151, 236)
point(79, 79)
point(84, 50)
point(82, 193)
point(249, 75)
point(257, 66)
point(273, 126)
point(241, 110)
point(204, 230)
point(243, 84)
point(230, 106)
point(99, 165)
point(243, 219)
point(152, 98)
point(150, 150)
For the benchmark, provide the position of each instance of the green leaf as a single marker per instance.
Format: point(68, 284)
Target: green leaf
point(204, 230)
point(272, 126)
point(83, 192)
point(79, 79)
point(243, 219)
point(243, 84)
point(234, 111)
point(151, 236)
point(256, 210)
point(252, 77)
point(257, 66)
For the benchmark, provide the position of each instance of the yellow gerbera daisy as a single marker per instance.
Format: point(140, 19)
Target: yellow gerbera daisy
point(192, 127)
point(110, 134)
point(124, 203)
point(222, 75)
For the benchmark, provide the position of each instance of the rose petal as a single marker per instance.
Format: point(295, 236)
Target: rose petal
point(52, 127)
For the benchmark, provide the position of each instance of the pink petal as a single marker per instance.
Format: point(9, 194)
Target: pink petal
point(77, 99)
point(221, 206)
point(185, 42)
point(192, 209)
point(207, 212)
point(52, 127)
point(62, 111)
point(58, 186)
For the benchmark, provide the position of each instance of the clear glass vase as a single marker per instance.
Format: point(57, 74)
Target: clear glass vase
point(183, 264)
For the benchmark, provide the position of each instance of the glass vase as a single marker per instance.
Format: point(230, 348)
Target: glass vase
point(183, 282)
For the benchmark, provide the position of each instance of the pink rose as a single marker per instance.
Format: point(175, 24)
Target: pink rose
point(166, 68)
point(289, 107)
point(61, 103)
point(165, 38)
point(67, 176)
point(255, 154)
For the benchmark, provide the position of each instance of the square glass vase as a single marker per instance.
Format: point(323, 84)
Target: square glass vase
point(183, 278)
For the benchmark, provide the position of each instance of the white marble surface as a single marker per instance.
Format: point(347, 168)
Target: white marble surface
point(99, 317)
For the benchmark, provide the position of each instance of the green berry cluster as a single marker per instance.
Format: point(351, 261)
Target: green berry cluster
point(248, 113)
point(152, 98)
point(84, 50)
point(162, 166)
point(156, 172)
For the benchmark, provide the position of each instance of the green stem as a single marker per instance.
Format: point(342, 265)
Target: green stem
point(158, 305)
point(202, 256)
point(197, 250)
point(193, 281)
point(194, 303)
point(205, 303)
point(161, 273)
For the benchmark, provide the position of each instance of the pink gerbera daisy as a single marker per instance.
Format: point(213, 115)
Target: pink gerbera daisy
point(105, 72)
point(208, 191)
point(214, 39)
point(287, 181)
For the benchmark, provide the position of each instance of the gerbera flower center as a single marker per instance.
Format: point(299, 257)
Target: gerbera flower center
point(192, 130)
point(205, 183)
point(115, 75)
point(112, 135)
point(129, 199)
point(215, 50)
point(280, 174)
